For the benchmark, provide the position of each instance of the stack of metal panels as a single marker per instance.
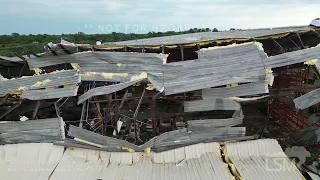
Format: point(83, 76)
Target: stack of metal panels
point(41, 130)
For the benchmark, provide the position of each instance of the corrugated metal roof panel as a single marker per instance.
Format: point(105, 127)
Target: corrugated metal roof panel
point(12, 85)
point(206, 36)
point(293, 57)
point(111, 58)
point(50, 93)
point(307, 100)
point(211, 104)
point(90, 164)
point(42, 130)
point(261, 159)
point(239, 66)
point(260, 87)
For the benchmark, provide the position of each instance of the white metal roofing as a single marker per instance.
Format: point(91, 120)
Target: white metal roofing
point(28, 161)
point(262, 159)
point(200, 161)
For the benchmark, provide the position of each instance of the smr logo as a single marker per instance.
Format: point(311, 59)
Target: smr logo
point(297, 154)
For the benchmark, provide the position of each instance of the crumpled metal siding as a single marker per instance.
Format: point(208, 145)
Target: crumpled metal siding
point(50, 93)
point(307, 100)
point(211, 104)
point(206, 36)
point(41, 130)
point(255, 88)
point(106, 90)
point(12, 85)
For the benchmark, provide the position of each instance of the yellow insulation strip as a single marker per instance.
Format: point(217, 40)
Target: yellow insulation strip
point(140, 76)
point(233, 168)
point(69, 85)
point(89, 75)
point(110, 75)
point(247, 99)
point(312, 62)
point(147, 151)
point(150, 87)
point(37, 70)
point(87, 142)
point(108, 48)
point(75, 66)
point(274, 36)
point(41, 83)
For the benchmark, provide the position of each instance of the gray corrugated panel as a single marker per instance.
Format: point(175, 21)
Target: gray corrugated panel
point(99, 139)
point(260, 87)
point(163, 136)
point(105, 90)
point(75, 79)
point(292, 57)
point(260, 159)
point(205, 36)
point(245, 66)
point(216, 53)
point(45, 130)
point(211, 104)
point(13, 85)
point(208, 124)
point(307, 100)
point(50, 93)
point(116, 58)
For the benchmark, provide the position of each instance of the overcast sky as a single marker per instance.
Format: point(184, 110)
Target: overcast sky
point(140, 16)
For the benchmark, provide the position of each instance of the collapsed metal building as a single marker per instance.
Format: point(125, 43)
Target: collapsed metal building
point(158, 94)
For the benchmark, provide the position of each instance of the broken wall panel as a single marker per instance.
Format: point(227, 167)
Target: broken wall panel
point(307, 100)
point(41, 130)
point(211, 104)
point(50, 93)
point(260, 87)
